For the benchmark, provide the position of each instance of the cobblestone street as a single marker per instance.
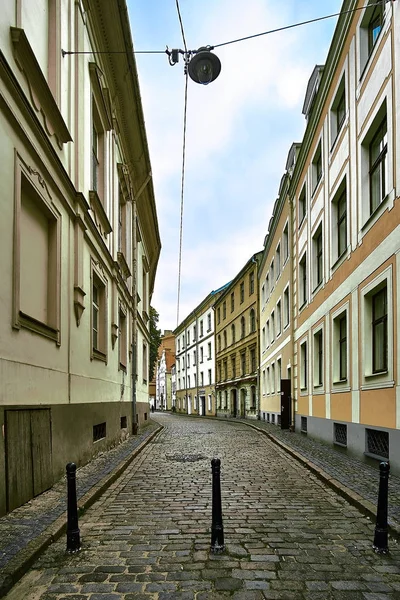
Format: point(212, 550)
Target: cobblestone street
point(288, 535)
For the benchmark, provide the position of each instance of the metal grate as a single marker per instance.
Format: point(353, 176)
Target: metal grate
point(99, 432)
point(340, 433)
point(304, 424)
point(378, 442)
point(279, 419)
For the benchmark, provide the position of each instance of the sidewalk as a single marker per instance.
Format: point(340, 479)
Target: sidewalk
point(352, 478)
point(27, 531)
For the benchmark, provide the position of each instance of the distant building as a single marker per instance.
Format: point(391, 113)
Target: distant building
point(165, 361)
point(79, 244)
point(195, 366)
point(236, 335)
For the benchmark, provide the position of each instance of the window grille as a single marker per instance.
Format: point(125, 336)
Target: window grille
point(340, 433)
point(304, 424)
point(378, 442)
point(279, 419)
point(99, 432)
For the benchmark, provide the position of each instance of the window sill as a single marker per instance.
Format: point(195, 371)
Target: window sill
point(303, 305)
point(98, 355)
point(318, 287)
point(376, 456)
point(340, 259)
point(376, 214)
point(28, 322)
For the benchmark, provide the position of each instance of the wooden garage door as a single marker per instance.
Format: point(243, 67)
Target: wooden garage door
point(28, 454)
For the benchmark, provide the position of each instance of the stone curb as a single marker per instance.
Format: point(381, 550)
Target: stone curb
point(21, 562)
point(363, 505)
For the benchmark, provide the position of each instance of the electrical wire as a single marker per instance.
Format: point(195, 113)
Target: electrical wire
point(181, 24)
point(182, 189)
point(249, 37)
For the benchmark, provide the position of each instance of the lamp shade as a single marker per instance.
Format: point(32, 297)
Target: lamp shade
point(204, 66)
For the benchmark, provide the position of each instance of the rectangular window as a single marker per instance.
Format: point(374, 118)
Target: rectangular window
point(232, 302)
point(201, 354)
point(278, 318)
point(122, 231)
point(242, 292)
point(286, 308)
point(302, 205)
point(377, 443)
point(123, 354)
point(272, 326)
point(342, 324)
point(243, 363)
point(317, 168)
point(285, 243)
point(342, 224)
point(233, 366)
point(378, 166)
point(318, 257)
point(272, 274)
point(209, 351)
point(251, 283)
point(253, 360)
point(303, 366)
point(338, 111)
point(145, 364)
point(98, 318)
point(219, 315)
point(224, 310)
point(340, 434)
point(318, 359)
point(278, 374)
point(201, 328)
point(273, 378)
point(303, 280)
point(99, 431)
point(225, 370)
point(278, 260)
point(380, 332)
point(209, 322)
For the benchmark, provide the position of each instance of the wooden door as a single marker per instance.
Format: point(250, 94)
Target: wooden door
point(286, 404)
point(41, 451)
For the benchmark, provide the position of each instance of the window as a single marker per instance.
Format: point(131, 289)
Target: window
point(209, 322)
point(318, 359)
point(340, 434)
point(232, 301)
point(286, 308)
point(252, 320)
point(36, 258)
point(98, 318)
point(272, 326)
point(273, 378)
point(263, 340)
point(339, 222)
point(278, 260)
point(233, 366)
point(209, 350)
point(201, 328)
point(278, 374)
point(379, 331)
point(201, 354)
point(378, 167)
point(188, 360)
point(224, 310)
point(370, 29)
point(225, 339)
point(233, 334)
point(194, 358)
point(219, 315)
point(253, 361)
point(242, 327)
point(188, 337)
point(219, 371)
point(263, 295)
point(242, 292)
point(194, 333)
point(264, 388)
point(377, 443)
point(303, 425)
point(268, 334)
point(225, 364)
point(318, 265)
point(145, 369)
point(251, 283)
point(122, 339)
point(267, 287)
point(122, 231)
point(226, 400)
point(340, 356)
point(317, 168)
point(243, 363)
point(303, 280)
point(302, 205)
point(253, 398)
point(285, 243)
point(188, 379)
point(338, 111)
point(219, 343)
point(272, 274)
point(268, 388)
point(303, 366)
point(278, 318)
point(99, 431)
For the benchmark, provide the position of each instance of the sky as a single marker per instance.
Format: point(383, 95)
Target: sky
point(239, 131)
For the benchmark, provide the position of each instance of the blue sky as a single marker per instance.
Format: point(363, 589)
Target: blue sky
point(239, 130)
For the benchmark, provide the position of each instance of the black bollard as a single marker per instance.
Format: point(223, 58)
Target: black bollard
point(381, 529)
point(217, 528)
point(73, 534)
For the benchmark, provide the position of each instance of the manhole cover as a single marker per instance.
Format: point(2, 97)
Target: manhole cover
point(186, 457)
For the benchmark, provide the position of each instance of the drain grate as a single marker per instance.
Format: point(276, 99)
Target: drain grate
point(186, 457)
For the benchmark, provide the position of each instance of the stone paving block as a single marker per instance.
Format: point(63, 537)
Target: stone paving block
point(228, 583)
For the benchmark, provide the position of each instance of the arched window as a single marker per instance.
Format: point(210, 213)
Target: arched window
point(242, 327)
point(252, 320)
point(233, 334)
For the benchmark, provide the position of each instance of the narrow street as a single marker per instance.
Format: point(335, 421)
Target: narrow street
point(288, 536)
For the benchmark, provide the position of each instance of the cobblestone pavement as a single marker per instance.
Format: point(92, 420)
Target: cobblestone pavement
point(288, 535)
point(24, 531)
point(358, 476)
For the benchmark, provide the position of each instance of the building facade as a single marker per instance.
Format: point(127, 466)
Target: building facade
point(165, 362)
point(236, 341)
point(79, 240)
point(275, 275)
point(195, 359)
point(346, 227)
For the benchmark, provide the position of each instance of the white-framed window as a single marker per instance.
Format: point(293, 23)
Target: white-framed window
point(209, 322)
point(278, 260)
point(286, 307)
point(338, 111)
point(303, 280)
point(285, 243)
point(339, 223)
point(268, 332)
point(302, 211)
point(272, 326)
point(268, 388)
point(316, 168)
point(264, 390)
point(278, 318)
point(370, 28)
point(263, 340)
point(303, 365)
point(318, 257)
point(377, 331)
point(340, 346)
point(278, 374)
point(318, 362)
point(273, 378)
point(99, 317)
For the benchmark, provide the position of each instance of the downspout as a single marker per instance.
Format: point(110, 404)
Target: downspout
point(134, 319)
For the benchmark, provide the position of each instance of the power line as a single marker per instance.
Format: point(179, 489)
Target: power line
point(181, 24)
point(249, 37)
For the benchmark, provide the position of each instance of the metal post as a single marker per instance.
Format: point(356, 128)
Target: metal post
point(73, 535)
point(217, 528)
point(381, 529)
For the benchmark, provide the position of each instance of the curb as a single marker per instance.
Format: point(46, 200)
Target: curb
point(21, 562)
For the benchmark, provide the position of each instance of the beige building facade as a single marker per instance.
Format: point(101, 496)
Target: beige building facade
point(236, 342)
point(346, 227)
point(79, 240)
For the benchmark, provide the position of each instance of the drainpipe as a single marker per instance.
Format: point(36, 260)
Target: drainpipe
point(134, 319)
